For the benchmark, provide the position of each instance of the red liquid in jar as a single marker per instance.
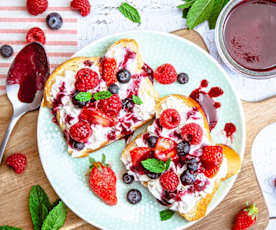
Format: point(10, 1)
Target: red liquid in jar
point(30, 70)
point(250, 33)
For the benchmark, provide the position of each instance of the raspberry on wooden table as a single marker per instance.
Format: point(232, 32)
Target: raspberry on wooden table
point(36, 7)
point(165, 74)
point(36, 34)
point(17, 161)
point(82, 5)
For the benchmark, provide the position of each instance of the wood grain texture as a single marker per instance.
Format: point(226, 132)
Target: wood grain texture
point(14, 189)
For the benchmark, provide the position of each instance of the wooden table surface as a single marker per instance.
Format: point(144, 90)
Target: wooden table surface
point(14, 189)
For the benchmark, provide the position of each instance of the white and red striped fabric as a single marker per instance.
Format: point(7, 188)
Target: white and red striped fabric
point(15, 21)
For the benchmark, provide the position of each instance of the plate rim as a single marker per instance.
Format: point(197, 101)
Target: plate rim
point(227, 78)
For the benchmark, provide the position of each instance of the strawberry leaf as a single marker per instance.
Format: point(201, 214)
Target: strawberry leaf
point(154, 165)
point(166, 214)
point(130, 12)
point(218, 6)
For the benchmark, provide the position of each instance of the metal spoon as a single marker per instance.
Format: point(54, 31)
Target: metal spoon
point(20, 108)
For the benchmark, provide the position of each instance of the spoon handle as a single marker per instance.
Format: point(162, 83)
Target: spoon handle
point(12, 123)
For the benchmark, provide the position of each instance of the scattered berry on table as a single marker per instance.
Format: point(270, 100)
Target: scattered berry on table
point(152, 140)
point(165, 74)
point(192, 132)
point(170, 119)
point(152, 175)
point(187, 178)
point(128, 104)
point(36, 7)
point(108, 70)
point(165, 148)
point(114, 89)
point(123, 76)
point(134, 196)
point(80, 131)
point(102, 181)
point(246, 217)
point(169, 181)
point(82, 5)
point(77, 145)
point(17, 161)
point(54, 21)
point(86, 79)
point(36, 34)
point(110, 106)
point(182, 78)
point(183, 148)
point(6, 51)
point(128, 179)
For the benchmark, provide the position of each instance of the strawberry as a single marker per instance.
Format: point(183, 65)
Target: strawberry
point(86, 79)
point(169, 181)
point(82, 5)
point(192, 132)
point(139, 154)
point(80, 131)
point(170, 119)
point(246, 217)
point(36, 7)
point(102, 181)
point(165, 74)
point(36, 34)
point(110, 106)
point(108, 70)
point(96, 117)
point(17, 161)
point(165, 148)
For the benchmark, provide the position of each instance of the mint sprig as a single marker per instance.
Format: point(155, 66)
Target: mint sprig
point(156, 166)
point(102, 95)
point(137, 100)
point(218, 6)
point(6, 227)
point(166, 214)
point(84, 96)
point(130, 12)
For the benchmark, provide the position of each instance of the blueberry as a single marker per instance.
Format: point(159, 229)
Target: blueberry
point(77, 145)
point(123, 76)
point(192, 166)
point(187, 178)
point(128, 179)
point(182, 78)
point(78, 103)
point(152, 141)
point(114, 89)
point(183, 148)
point(134, 196)
point(54, 21)
point(152, 175)
point(6, 51)
point(128, 104)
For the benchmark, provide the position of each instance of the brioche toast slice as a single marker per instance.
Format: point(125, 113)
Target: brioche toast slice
point(194, 205)
point(60, 92)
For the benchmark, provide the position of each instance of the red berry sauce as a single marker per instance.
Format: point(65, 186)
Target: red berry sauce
point(30, 70)
point(129, 55)
point(229, 130)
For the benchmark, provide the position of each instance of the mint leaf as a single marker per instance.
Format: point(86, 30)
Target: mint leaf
point(130, 12)
point(6, 227)
point(185, 13)
point(168, 162)
point(56, 218)
point(102, 95)
point(84, 96)
point(217, 8)
point(39, 206)
point(55, 203)
point(199, 12)
point(166, 214)
point(154, 165)
point(137, 100)
point(186, 5)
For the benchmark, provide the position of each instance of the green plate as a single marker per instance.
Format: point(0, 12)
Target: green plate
point(67, 175)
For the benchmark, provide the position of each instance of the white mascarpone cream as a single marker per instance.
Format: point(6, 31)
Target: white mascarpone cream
point(188, 199)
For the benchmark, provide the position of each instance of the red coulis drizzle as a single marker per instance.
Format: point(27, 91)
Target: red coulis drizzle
point(30, 69)
point(229, 130)
point(207, 102)
point(129, 55)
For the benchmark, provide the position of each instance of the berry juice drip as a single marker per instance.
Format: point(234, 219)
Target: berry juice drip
point(207, 102)
point(129, 55)
point(30, 70)
point(229, 130)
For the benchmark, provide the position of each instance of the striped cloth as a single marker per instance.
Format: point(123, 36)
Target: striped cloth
point(15, 21)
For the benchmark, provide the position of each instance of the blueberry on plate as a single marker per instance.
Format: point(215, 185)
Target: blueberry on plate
point(193, 166)
point(187, 178)
point(6, 51)
point(114, 89)
point(128, 179)
point(78, 103)
point(77, 145)
point(123, 76)
point(134, 196)
point(153, 176)
point(128, 104)
point(183, 148)
point(182, 78)
point(152, 141)
point(54, 21)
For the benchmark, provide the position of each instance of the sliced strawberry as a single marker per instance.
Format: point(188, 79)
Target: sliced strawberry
point(165, 148)
point(94, 116)
point(139, 154)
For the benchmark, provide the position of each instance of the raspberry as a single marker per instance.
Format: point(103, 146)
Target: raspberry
point(36, 7)
point(80, 131)
point(17, 161)
point(86, 79)
point(111, 106)
point(108, 70)
point(212, 156)
point(165, 74)
point(170, 119)
point(169, 181)
point(82, 5)
point(192, 132)
point(36, 34)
